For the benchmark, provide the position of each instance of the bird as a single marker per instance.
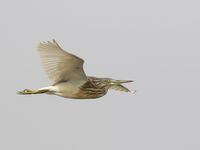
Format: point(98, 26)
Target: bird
point(69, 79)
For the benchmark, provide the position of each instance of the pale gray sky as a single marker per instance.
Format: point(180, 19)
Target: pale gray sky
point(156, 43)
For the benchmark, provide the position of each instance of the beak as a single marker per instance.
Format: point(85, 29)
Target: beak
point(121, 81)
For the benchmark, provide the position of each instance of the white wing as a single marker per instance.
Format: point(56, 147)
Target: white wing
point(59, 64)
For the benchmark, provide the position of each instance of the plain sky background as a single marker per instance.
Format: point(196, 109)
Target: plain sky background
point(154, 42)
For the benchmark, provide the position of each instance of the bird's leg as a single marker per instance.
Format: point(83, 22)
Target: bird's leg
point(28, 91)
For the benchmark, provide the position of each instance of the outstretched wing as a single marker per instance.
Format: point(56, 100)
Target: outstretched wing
point(119, 87)
point(59, 64)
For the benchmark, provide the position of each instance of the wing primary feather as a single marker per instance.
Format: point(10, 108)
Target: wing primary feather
point(54, 41)
point(59, 64)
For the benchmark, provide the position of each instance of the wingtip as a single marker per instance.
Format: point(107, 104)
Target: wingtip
point(54, 42)
point(48, 43)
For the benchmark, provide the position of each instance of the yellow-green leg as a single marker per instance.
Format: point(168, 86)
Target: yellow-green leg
point(28, 91)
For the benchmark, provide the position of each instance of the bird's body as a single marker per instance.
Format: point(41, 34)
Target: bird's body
point(70, 81)
point(94, 88)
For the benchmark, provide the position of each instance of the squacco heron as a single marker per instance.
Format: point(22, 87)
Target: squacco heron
point(69, 79)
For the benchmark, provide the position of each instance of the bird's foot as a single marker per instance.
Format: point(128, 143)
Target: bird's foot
point(27, 91)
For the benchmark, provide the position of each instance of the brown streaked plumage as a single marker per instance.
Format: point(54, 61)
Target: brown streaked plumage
point(69, 79)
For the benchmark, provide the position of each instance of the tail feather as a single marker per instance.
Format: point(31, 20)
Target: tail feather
point(28, 91)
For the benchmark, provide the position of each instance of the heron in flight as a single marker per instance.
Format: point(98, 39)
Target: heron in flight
point(69, 79)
